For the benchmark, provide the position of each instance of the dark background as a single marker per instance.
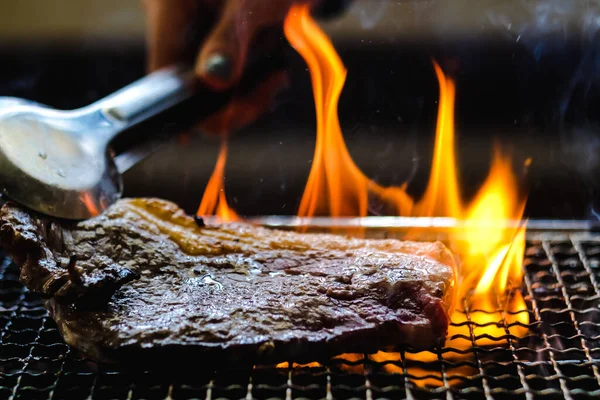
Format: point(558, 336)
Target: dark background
point(536, 98)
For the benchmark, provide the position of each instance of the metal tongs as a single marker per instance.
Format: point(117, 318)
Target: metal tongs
point(60, 163)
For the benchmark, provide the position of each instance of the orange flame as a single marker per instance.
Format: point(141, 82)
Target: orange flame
point(442, 197)
point(214, 201)
point(491, 249)
point(90, 204)
point(335, 185)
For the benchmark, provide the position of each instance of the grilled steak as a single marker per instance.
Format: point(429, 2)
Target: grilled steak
point(144, 281)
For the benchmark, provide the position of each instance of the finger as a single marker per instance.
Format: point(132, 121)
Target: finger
point(169, 26)
point(223, 55)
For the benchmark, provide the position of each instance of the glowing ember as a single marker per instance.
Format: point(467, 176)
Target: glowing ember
point(214, 201)
point(489, 247)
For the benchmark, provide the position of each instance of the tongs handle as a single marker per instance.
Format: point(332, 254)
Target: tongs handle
point(148, 96)
point(197, 103)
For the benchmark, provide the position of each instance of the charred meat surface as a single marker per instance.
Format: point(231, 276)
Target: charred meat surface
point(144, 282)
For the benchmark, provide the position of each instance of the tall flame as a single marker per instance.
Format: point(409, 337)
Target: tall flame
point(442, 197)
point(214, 201)
point(335, 185)
point(490, 248)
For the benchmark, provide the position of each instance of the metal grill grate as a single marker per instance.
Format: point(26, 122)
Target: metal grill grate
point(558, 358)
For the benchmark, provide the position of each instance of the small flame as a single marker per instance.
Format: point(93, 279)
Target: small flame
point(90, 204)
point(491, 250)
point(489, 238)
point(214, 201)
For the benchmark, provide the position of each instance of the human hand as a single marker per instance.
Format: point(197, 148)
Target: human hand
point(215, 35)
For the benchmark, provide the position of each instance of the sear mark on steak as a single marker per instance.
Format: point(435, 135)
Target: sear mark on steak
point(144, 281)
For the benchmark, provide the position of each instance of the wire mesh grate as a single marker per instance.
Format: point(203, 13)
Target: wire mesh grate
point(557, 357)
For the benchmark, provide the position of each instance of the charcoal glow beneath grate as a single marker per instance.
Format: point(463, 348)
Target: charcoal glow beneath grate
point(558, 358)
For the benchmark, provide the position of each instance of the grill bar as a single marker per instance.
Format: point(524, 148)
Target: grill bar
point(520, 370)
point(444, 376)
point(567, 298)
point(440, 224)
point(486, 388)
point(559, 356)
point(563, 383)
